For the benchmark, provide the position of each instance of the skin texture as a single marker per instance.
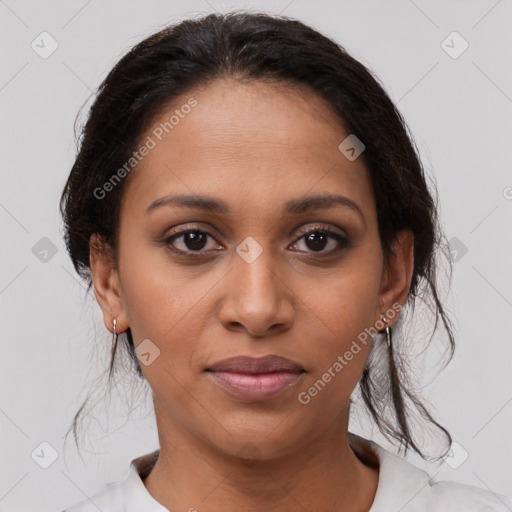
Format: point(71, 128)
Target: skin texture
point(255, 146)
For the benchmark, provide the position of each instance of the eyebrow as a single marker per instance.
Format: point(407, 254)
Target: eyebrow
point(291, 207)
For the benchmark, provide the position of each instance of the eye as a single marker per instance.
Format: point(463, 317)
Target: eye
point(318, 238)
point(196, 242)
point(190, 241)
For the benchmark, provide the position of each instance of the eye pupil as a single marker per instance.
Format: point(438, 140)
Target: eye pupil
point(316, 241)
point(195, 240)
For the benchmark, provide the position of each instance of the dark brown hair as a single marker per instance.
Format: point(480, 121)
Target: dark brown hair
point(256, 46)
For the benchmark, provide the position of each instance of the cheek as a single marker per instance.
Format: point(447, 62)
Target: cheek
point(348, 299)
point(169, 312)
point(339, 356)
point(345, 311)
point(156, 293)
point(166, 305)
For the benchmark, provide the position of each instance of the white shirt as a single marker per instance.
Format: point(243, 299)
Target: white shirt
point(402, 487)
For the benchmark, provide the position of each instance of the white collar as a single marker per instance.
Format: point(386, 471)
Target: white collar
point(399, 483)
point(135, 495)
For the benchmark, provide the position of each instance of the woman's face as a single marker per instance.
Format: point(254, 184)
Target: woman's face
point(257, 275)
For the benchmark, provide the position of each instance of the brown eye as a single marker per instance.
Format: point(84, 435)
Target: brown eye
point(190, 240)
point(194, 240)
point(317, 240)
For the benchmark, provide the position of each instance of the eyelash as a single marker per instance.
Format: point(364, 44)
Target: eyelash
point(343, 241)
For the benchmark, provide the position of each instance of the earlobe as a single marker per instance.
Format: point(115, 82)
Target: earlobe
point(398, 274)
point(106, 284)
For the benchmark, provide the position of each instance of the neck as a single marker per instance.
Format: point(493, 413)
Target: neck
point(326, 474)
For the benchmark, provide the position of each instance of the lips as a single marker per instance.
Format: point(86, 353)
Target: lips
point(252, 365)
point(255, 379)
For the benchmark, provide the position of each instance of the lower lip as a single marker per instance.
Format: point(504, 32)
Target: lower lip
point(255, 387)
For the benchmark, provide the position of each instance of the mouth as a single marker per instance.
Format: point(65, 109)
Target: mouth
point(255, 379)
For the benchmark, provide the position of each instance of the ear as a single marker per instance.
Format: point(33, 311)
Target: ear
point(106, 284)
point(397, 276)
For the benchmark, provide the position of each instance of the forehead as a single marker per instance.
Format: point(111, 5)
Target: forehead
point(256, 142)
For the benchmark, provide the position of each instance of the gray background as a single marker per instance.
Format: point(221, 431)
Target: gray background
point(53, 340)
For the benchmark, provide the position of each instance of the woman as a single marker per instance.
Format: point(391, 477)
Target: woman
point(255, 220)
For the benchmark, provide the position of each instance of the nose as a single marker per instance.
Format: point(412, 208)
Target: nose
point(257, 299)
